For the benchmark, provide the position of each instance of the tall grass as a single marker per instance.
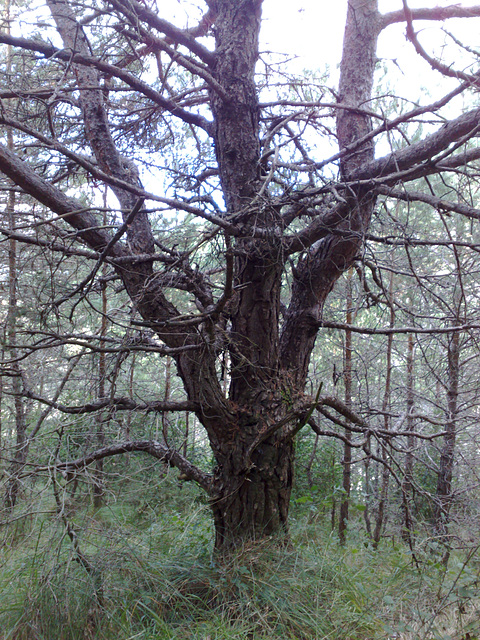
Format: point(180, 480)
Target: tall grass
point(152, 575)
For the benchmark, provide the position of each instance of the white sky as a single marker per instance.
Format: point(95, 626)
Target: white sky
point(313, 31)
point(306, 29)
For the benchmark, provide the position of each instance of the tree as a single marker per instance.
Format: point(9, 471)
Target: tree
point(276, 225)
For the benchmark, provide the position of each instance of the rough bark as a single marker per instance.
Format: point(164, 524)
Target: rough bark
point(254, 503)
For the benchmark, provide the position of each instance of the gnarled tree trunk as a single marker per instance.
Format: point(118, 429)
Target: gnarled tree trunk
point(249, 505)
point(251, 425)
point(252, 430)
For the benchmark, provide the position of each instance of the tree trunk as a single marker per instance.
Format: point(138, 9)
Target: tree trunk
point(166, 398)
point(445, 469)
point(311, 460)
point(386, 422)
point(368, 487)
point(20, 451)
point(98, 481)
point(250, 505)
point(407, 485)
point(347, 447)
point(380, 519)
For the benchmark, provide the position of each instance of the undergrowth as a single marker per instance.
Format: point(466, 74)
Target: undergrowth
point(151, 574)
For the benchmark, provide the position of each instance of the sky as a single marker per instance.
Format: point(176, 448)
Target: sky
point(312, 30)
point(315, 33)
point(305, 29)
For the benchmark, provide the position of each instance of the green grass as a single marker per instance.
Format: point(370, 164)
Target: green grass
point(153, 576)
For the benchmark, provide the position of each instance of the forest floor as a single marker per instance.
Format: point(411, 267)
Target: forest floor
point(144, 569)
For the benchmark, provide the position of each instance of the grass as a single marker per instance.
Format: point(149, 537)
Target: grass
point(152, 575)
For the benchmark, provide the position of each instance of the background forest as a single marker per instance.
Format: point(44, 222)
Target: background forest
point(239, 388)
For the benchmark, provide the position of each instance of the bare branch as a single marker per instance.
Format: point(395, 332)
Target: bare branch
point(175, 34)
point(71, 209)
point(435, 201)
point(419, 158)
point(444, 69)
point(152, 447)
point(438, 14)
point(119, 404)
point(400, 330)
point(132, 81)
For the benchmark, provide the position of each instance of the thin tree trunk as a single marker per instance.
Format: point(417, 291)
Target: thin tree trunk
point(407, 485)
point(131, 378)
point(166, 397)
point(368, 487)
point(333, 513)
point(445, 470)
point(379, 521)
point(19, 456)
point(347, 447)
point(310, 462)
point(98, 484)
point(187, 434)
point(386, 420)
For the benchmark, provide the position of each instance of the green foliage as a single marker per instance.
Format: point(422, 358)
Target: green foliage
point(325, 472)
